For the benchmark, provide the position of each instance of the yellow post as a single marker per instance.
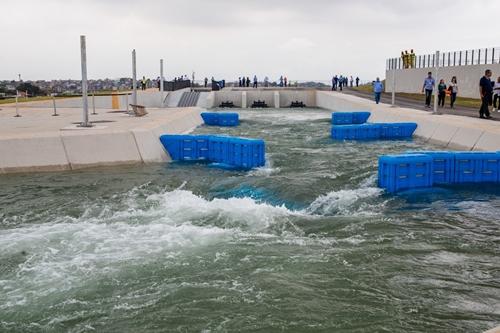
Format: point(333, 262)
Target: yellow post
point(115, 102)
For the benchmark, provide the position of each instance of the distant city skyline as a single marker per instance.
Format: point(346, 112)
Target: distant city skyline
point(304, 40)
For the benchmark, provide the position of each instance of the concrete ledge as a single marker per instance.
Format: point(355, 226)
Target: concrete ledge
point(39, 153)
point(92, 149)
point(488, 141)
point(465, 138)
point(443, 134)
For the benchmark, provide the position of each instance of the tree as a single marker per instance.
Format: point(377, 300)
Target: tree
point(30, 88)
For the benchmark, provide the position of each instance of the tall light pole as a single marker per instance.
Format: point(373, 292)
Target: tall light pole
point(83, 52)
point(161, 82)
point(134, 79)
point(436, 92)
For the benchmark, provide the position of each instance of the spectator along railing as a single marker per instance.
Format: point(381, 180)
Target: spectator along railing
point(484, 56)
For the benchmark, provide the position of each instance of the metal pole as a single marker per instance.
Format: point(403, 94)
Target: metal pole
point(54, 105)
point(436, 69)
point(83, 51)
point(134, 79)
point(126, 101)
point(393, 103)
point(161, 82)
point(17, 107)
point(93, 103)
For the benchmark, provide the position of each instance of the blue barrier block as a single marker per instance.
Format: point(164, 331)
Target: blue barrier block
point(218, 149)
point(397, 130)
point(186, 147)
point(342, 118)
point(240, 153)
point(360, 117)
point(356, 132)
point(477, 167)
point(220, 118)
point(400, 172)
point(443, 165)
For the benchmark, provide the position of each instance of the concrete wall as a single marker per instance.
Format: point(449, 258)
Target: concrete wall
point(70, 149)
point(449, 131)
point(411, 80)
point(286, 96)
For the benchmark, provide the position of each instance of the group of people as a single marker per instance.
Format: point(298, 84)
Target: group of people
point(489, 92)
point(245, 81)
point(443, 90)
point(409, 59)
point(338, 82)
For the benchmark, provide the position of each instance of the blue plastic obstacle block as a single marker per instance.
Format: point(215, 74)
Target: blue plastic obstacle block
point(397, 130)
point(477, 167)
point(239, 153)
point(220, 118)
point(360, 117)
point(400, 172)
point(443, 165)
point(246, 153)
point(356, 132)
point(349, 118)
point(186, 147)
point(342, 118)
point(218, 149)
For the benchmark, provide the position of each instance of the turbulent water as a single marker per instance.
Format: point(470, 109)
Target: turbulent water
point(306, 244)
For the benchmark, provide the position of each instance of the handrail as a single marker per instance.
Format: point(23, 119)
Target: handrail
point(484, 56)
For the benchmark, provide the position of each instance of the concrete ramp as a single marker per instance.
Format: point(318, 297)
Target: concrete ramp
point(189, 99)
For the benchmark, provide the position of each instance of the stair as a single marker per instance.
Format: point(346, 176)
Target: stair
point(188, 99)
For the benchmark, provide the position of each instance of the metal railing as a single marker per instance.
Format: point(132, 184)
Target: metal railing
point(485, 56)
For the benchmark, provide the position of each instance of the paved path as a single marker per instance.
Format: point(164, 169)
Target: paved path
point(419, 105)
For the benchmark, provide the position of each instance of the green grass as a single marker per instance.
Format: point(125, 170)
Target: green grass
point(461, 101)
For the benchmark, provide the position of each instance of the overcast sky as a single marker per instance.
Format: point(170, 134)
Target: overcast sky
point(302, 39)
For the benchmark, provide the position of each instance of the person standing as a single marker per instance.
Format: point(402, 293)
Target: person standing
point(357, 81)
point(413, 59)
point(453, 88)
point(403, 59)
point(281, 81)
point(341, 82)
point(333, 84)
point(428, 87)
point(441, 93)
point(378, 88)
point(266, 82)
point(496, 92)
point(486, 93)
point(285, 79)
point(255, 81)
point(239, 82)
point(248, 82)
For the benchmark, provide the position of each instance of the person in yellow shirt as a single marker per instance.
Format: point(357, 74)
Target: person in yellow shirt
point(413, 59)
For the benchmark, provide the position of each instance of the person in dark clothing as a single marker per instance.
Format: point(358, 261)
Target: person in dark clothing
point(453, 89)
point(357, 81)
point(441, 93)
point(239, 81)
point(486, 93)
point(206, 82)
point(248, 82)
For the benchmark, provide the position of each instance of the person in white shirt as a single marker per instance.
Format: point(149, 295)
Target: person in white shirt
point(453, 88)
point(496, 94)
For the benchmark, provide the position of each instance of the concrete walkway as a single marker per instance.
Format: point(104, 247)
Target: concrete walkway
point(419, 105)
point(38, 141)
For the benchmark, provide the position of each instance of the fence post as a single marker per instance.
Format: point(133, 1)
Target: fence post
point(54, 105)
point(93, 103)
point(17, 106)
point(466, 56)
point(485, 56)
point(435, 85)
point(454, 58)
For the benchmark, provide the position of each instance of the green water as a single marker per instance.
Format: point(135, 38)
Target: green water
point(305, 244)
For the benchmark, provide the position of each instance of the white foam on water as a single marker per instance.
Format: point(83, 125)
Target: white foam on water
point(345, 202)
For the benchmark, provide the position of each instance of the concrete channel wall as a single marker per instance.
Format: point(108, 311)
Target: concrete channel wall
point(275, 98)
point(448, 131)
point(411, 80)
point(129, 140)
